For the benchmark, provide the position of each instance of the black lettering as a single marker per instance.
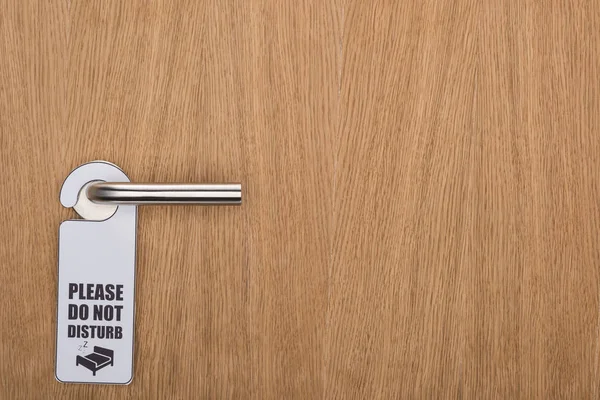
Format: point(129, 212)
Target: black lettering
point(106, 312)
point(120, 292)
point(110, 292)
point(97, 312)
point(99, 292)
point(94, 332)
point(72, 311)
point(89, 291)
point(72, 290)
point(95, 291)
point(109, 313)
point(84, 312)
point(119, 309)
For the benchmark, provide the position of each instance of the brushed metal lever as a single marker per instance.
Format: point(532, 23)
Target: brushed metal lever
point(95, 195)
point(165, 193)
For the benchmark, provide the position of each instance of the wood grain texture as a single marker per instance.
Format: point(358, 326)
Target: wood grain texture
point(402, 177)
point(532, 283)
point(420, 216)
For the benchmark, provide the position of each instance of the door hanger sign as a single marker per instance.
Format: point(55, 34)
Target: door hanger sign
point(96, 283)
point(96, 267)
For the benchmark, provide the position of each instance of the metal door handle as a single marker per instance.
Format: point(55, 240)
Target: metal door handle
point(163, 193)
point(96, 189)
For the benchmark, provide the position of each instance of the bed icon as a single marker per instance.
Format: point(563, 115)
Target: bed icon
point(99, 359)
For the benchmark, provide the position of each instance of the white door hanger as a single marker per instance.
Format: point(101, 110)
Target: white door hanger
point(96, 267)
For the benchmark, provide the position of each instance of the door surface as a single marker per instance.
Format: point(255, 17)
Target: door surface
point(421, 190)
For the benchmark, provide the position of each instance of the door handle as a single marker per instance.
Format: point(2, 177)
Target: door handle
point(94, 197)
point(162, 193)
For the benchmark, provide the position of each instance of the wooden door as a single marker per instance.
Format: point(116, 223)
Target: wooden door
point(421, 201)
